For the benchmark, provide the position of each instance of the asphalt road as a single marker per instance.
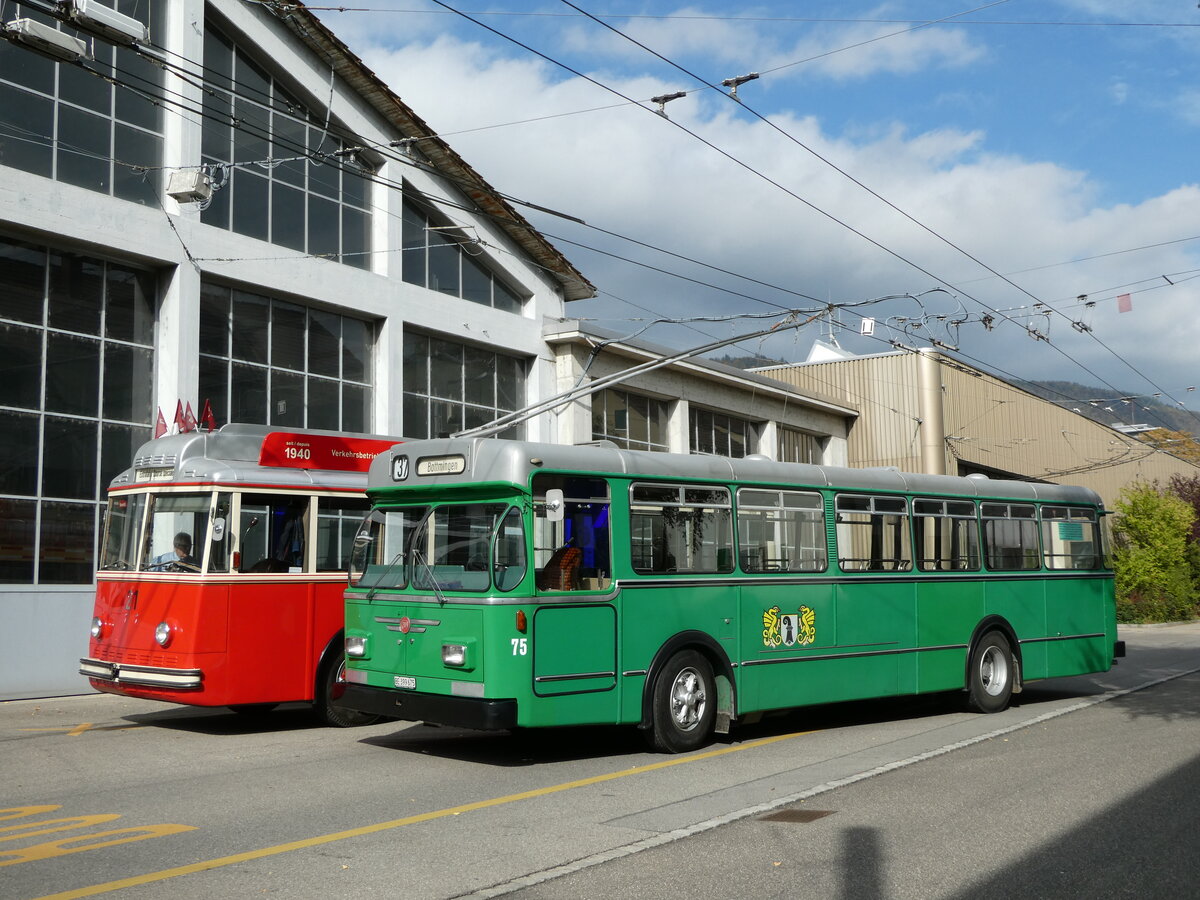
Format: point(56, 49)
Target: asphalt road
point(1085, 788)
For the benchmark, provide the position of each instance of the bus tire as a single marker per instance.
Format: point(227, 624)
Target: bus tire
point(330, 685)
point(990, 674)
point(684, 704)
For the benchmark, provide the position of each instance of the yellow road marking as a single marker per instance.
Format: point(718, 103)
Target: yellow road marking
point(20, 812)
point(16, 832)
point(77, 730)
point(83, 842)
point(305, 843)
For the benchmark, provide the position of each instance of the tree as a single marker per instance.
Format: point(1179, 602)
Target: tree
point(1152, 555)
point(1187, 489)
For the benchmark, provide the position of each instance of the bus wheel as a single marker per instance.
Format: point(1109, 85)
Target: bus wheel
point(330, 687)
point(990, 676)
point(683, 707)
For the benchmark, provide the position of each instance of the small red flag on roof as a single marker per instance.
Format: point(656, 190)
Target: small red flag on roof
point(161, 428)
point(207, 419)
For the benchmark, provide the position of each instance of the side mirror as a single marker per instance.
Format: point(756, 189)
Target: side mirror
point(555, 506)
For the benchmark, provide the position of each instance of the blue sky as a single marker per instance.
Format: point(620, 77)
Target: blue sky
point(1060, 156)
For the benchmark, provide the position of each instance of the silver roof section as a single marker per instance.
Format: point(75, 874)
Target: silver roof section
point(512, 462)
point(230, 454)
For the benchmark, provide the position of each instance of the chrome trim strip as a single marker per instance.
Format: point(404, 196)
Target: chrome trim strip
point(543, 679)
point(635, 673)
point(859, 655)
point(1063, 637)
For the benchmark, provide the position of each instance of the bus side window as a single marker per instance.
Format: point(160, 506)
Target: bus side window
point(1070, 537)
point(584, 529)
point(1010, 536)
point(872, 533)
point(273, 535)
point(338, 519)
point(220, 540)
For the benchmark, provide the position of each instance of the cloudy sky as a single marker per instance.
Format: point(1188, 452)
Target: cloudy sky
point(988, 163)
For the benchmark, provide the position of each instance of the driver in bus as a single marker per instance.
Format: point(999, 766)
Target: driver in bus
point(180, 555)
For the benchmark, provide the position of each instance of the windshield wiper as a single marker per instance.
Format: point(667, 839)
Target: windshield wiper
point(399, 557)
point(419, 559)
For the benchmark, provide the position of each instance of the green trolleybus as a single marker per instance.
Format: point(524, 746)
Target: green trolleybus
point(501, 584)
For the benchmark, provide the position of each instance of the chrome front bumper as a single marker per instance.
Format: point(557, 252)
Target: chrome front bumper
point(142, 676)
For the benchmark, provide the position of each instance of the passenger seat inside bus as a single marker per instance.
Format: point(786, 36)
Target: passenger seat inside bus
point(561, 571)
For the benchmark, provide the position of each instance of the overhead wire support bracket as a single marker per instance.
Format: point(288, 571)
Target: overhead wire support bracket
point(736, 81)
point(663, 99)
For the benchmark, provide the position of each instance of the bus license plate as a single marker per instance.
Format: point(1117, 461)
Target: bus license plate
point(405, 681)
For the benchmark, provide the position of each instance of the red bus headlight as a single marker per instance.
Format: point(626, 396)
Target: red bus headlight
point(162, 634)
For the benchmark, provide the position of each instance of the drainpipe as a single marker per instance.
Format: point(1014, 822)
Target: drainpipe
point(929, 404)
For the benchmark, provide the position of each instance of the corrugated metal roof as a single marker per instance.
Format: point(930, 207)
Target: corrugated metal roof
point(351, 69)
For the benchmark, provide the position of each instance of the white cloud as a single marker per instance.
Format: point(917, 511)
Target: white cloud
point(716, 48)
point(628, 171)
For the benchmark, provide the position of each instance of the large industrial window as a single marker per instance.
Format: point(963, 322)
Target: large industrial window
point(312, 196)
point(448, 259)
point(76, 375)
point(270, 362)
point(719, 434)
point(798, 446)
point(629, 420)
point(450, 387)
point(98, 129)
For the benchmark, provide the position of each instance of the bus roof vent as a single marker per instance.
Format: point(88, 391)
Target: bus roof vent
point(155, 461)
point(978, 476)
point(758, 457)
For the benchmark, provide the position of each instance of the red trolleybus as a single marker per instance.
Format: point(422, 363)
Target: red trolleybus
point(223, 566)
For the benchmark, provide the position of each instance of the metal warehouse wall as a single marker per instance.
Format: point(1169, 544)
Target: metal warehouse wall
point(990, 425)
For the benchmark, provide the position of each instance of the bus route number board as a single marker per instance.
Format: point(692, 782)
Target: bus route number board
point(405, 681)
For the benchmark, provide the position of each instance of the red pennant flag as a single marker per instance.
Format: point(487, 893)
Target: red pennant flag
point(1124, 303)
point(179, 417)
point(207, 419)
point(189, 419)
point(161, 428)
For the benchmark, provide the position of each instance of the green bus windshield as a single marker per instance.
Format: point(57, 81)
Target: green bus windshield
point(456, 547)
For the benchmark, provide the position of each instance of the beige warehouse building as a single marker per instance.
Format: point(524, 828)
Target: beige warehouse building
point(924, 411)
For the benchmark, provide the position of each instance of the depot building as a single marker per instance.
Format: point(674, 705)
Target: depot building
point(209, 205)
